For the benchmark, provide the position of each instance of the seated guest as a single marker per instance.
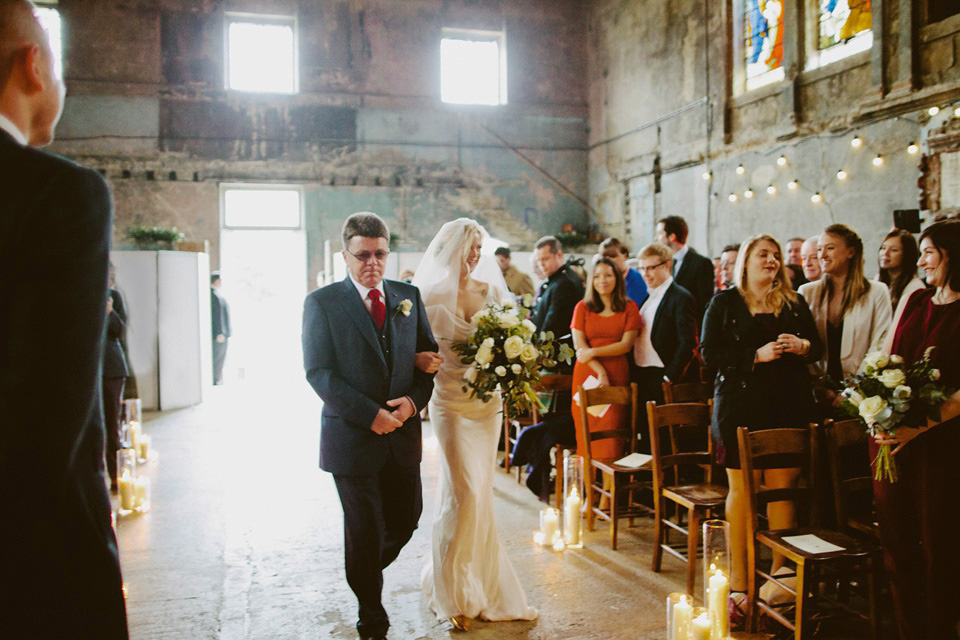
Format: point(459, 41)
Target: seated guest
point(917, 515)
point(620, 253)
point(691, 270)
point(851, 312)
point(728, 260)
point(898, 256)
point(811, 259)
point(605, 324)
point(518, 282)
point(759, 337)
point(664, 349)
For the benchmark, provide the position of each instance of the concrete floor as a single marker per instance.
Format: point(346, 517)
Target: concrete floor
point(244, 540)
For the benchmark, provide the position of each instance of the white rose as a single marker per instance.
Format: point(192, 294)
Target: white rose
point(500, 371)
point(527, 327)
point(470, 375)
point(853, 396)
point(902, 392)
point(892, 378)
point(484, 354)
point(513, 347)
point(516, 368)
point(934, 374)
point(480, 315)
point(876, 359)
point(530, 353)
point(895, 359)
point(509, 304)
point(871, 407)
point(509, 320)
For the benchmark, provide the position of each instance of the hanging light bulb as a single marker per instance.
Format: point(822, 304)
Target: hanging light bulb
point(956, 112)
point(782, 161)
point(707, 175)
point(792, 184)
point(856, 143)
point(841, 175)
point(913, 149)
point(732, 197)
point(748, 194)
point(933, 111)
point(740, 170)
point(878, 160)
point(772, 190)
point(816, 198)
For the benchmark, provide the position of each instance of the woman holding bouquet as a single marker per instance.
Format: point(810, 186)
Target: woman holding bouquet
point(468, 574)
point(918, 514)
point(605, 326)
point(760, 337)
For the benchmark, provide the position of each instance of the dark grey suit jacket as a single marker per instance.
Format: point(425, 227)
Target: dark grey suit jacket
point(696, 276)
point(59, 573)
point(674, 331)
point(350, 371)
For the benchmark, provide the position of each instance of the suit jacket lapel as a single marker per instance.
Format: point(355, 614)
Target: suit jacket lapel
point(392, 300)
point(662, 310)
point(685, 265)
point(357, 312)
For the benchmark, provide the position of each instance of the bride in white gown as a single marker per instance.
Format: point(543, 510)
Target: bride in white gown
point(468, 574)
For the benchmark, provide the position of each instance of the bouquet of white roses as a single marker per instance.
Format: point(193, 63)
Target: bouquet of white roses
point(505, 351)
point(887, 394)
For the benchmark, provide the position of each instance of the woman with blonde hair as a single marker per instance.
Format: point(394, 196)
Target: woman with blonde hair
point(852, 313)
point(760, 337)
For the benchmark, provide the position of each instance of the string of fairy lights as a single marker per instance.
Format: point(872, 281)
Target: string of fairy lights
point(842, 174)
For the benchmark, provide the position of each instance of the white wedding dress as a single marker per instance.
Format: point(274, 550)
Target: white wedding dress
point(468, 572)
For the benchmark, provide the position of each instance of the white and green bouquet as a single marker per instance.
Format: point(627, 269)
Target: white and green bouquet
point(505, 351)
point(888, 393)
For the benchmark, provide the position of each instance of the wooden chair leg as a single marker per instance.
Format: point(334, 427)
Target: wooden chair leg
point(506, 443)
point(799, 622)
point(693, 540)
point(558, 468)
point(591, 516)
point(658, 541)
point(874, 567)
point(614, 512)
point(752, 586)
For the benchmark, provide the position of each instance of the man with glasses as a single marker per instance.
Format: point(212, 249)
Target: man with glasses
point(665, 345)
point(360, 337)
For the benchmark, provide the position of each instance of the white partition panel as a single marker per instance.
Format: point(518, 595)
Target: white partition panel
point(137, 280)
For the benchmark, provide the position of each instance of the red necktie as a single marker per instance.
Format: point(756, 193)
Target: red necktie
point(377, 310)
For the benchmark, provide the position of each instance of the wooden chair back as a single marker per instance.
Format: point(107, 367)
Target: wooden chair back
point(674, 418)
point(674, 393)
point(552, 382)
point(849, 490)
point(777, 449)
point(617, 396)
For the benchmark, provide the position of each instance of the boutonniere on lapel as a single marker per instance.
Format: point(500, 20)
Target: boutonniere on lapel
point(404, 307)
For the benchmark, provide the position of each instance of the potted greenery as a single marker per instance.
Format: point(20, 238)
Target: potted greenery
point(154, 238)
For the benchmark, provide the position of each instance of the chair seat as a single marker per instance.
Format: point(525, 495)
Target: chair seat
point(609, 465)
point(852, 547)
point(865, 524)
point(697, 495)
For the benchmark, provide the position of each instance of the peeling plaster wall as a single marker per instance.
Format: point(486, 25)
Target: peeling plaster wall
point(662, 112)
point(147, 106)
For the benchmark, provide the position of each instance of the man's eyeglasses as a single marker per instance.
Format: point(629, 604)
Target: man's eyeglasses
point(651, 268)
point(364, 256)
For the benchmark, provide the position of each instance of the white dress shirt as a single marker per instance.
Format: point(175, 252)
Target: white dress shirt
point(643, 352)
point(365, 294)
point(12, 129)
point(678, 258)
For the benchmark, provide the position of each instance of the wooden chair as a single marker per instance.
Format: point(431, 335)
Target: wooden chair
point(621, 480)
point(553, 383)
point(787, 449)
point(852, 494)
point(674, 393)
point(548, 383)
point(700, 500)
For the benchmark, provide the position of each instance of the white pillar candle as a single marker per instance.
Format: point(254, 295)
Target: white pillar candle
point(682, 619)
point(143, 447)
point(701, 628)
point(719, 590)
point(140, 491)
point(127, 492)
point(571, 519)
point(549, 526)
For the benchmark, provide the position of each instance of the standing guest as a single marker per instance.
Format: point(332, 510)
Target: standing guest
point(898, 255)
point(605, 325)
point(759, 337)
point(917, 514)
point(692, 271)
point(811, 259)
point(794, 249)
point(114, 375)
point(59, 570)
point(560, 293)
point(518, 282)
point(220, 315)
point(665, 345)
point(619, 253)
point(728, 261)
point(851, 312)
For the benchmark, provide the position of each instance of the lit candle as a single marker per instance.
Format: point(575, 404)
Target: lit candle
point(143, 447)
point(682, 619)
point(141, 491)
point(701, 628)
point(549, 526)
point(127, 491)
point(717, 604)
point(571, 518)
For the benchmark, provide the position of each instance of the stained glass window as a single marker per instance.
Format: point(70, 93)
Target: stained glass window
point(844, 29)
point(763, 42)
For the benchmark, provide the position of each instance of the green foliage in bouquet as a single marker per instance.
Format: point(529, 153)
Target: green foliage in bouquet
point(505, 351)
point(887, 394)
point(154, 236)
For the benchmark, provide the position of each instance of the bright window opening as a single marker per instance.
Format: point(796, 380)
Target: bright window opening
point(261, 208)
point(763, 42)
point(844, 29)
point(261, 54)
point(49, 19)
point(473, 68)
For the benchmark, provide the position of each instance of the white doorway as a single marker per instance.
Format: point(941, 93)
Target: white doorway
point(263, 263)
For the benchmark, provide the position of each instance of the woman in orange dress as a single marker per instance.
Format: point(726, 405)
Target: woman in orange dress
point(605, 325)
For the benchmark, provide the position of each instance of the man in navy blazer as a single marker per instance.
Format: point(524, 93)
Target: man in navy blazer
point(59, 572)
point(360, 337)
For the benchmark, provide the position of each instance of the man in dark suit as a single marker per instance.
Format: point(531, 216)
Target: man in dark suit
point(360, 337)
point(560, 293)
point(220, 324)
point(691, 270)
point(59, 572)
point(665, 345)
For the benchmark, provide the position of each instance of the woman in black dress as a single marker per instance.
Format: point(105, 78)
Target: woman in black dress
point(759, 336)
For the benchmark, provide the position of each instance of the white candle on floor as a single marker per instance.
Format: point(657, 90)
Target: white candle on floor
point(682, 619)
point(701, 628)
point(549, 526)
point(127, 492)
point(717, 605)
point(571, 518)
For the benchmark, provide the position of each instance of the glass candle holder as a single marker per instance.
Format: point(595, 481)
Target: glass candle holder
point(141, 494)
point(672, 600)
point(716, 551)
point(701, 625)
point(549, 526)
point(133, 410)
point(679, 616)
point(126, 440)
point(143, 448)
point(573, 501)
point(126, 480)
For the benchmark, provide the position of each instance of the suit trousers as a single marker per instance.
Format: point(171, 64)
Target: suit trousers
point(112, 397)
point(219, 357)
point(380, 514)
point(649, 387)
